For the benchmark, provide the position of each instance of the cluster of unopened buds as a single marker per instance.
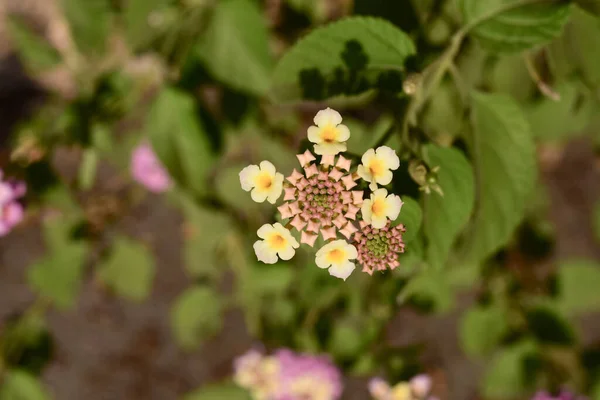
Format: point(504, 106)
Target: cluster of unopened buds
point(286, 375)
point(418, 388)
point(323, 199)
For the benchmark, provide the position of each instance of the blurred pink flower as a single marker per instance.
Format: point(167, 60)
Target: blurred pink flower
point(418, 388)
point(11, 211)
point(147, 169)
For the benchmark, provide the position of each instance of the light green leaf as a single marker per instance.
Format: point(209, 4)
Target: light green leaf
point(129, 270)
point(514, 25)
point(90, 23)
point(482, 328)
point(346, 340)
point(235, 46)
point(578, 282)
point(446, 216)
point(444, 113)
point(136, 14)
point(506, 377)
point(20, 385)
point(222, 391)
point(58, 275)
point(411, 216)
point(87, 169)
point(271, 279)
point(37, 54)
point(179, 140)
point(504, 156)
point(385, 46)
point(196, 315)
point(551, 120)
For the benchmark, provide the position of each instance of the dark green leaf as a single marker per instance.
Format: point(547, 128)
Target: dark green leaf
point(591, 6)
point(504, 156)
point(514, 25)
point(446, 216)
point(411, 216)
point(549, 326)
point(235, 46)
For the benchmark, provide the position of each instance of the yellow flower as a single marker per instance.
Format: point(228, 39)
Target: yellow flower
point(380, 207)
point(401, 392)
point(308, 388)
point(336, 256)
point(329, 135)
point(264, 181)
point(377, 166)
point(277, 241)
point(258, 374)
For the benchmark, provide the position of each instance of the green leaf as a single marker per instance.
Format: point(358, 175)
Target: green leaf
point(129, 270)
point(514, 25)
point(37, 54)
point(346, 340)
point(551, 120)
point(508, 375)
point(235, 46)
point(58, 275)
point(411, 216)
point(446, 216)
point(20, 385)
point(385, 47)
point(87, 169)
point(444, 114)
point(135, 15)
point(549, 326)
point(179, 140)
point(591, 6)
point(271, 279)
point(221, 391)
point(482, 329)
point(578, 282)
point(196, 315)
point(90, 22)
point(431, 286)
point(504, 155)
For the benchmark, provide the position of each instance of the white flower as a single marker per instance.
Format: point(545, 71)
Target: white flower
point(380, 207)
point(277, 241)
point(377, 166)
point(264, 181)
point(336, 256)
point(329, 135)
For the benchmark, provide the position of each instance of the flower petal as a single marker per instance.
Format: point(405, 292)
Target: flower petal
point(388, 156)
point(313, 134)
point(343, 133)
point(267, 166)
point(385, 178)
point(264, 253)
point(264, 230)
point(259, 196)
point(394, 206)
point(248, 176)
point(327, 116)
point(287, 253)
point(329, 148)
point(342, 271)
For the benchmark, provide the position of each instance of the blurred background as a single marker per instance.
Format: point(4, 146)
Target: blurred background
point(113, 289)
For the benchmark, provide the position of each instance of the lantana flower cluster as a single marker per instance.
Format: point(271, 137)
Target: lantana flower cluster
point(11, 211)
point(323, 198)
point(286, 375)
point(418, 388)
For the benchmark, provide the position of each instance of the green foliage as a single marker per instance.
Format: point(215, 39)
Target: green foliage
point(578, 282)
point(482, 329)
point(129, 269)
point(20, 385)
point(514, 25)
point(380, 47)
point(136, 14)
point(446, 216)
point(219, 391)
point(591, 6)
point(195, 316)
point(36, 53)
point(235, 46)
point(411, 217)
point(179, 139)
point(504, 158)
point(90, 22)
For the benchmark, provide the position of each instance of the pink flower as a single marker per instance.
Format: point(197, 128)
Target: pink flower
point(418, 388)
point(11, 211)
point(379, 249)
point(147, 169)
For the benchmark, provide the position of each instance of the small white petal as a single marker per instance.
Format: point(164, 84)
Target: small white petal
point(366, 210)
point(264, 253)
point(344, 133)
point(287, 253)
point(247, 177)
point(389, 157)
point(342, 271)
point(333, 149)
point(378, 222)
point(264, 230)
point(321, 261)
point(394, 206)
point(259, 196)
point(313, 134)
point(385, 178)
point(327, 116)
point(368, 156)
point(276, 189)
point(351, 252)
point(362, 172)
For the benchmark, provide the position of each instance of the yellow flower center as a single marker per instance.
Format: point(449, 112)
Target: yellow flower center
point(329, 134)
point(277, 241)
point(336, 256)
point(378, 207)
point(376, 168)
point(264, 181)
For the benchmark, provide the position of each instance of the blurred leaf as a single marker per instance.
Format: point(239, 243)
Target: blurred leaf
point(346, 340)
point(364, 137)
point(578, 282)
point(35, 52)
point(596, 221)
point(411, 216)
point(505, 28)
point(58, 275)
point(129, 270)
point(385, 47)
point(432, 287)
point(509, 75)
point(549, 326)
point(444, 113)
point(90, 22)
point(551, 120)
point(591, 6)
point(507, 376)
point(179, 139)
point(504, 155)
point(482, 328)
point(87, 169)
point(195, 316)
point(20, 385)
point(136, 14)
point(235, 46)
point(271, 279)
point(221, 391)
point(446, 216)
